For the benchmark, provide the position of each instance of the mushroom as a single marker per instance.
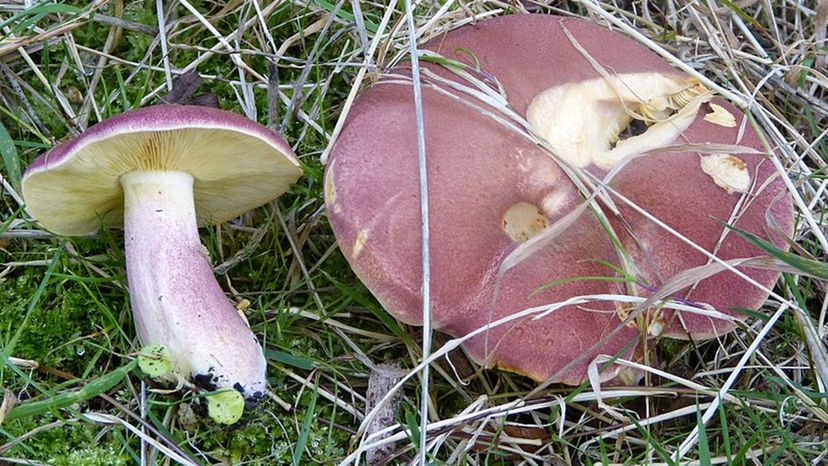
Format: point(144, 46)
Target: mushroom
point(605, 105)
point(160, 172)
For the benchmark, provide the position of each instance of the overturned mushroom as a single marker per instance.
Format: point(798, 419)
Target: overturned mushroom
point(602, 109)
point(160, 172)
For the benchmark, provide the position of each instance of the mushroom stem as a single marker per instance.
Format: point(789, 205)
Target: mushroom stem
point(176, 301)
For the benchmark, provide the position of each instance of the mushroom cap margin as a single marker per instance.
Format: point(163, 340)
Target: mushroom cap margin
point(237, 164)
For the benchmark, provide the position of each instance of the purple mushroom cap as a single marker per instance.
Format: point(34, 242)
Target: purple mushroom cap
point(237, 164)
point(491, 189)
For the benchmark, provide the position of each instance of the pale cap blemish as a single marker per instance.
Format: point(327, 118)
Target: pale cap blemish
point(361, 239)
point(330, 192)
point(523, 221)
point(553, 202)
point(728, 172)
point(541, 174)
point(583, 121)
point(720, 116)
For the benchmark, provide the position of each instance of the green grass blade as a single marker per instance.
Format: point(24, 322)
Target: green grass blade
point(9, 347)
point(413, 427)
point(389, 322)
point(331, 8)
point(587, 278)
point(743, 14)
point(807, 266)
point(300, 362)
point(725, 432)
point(36, 13)
point(704, 447)
point(310, 414)
point(9, 155)
point(90, 390)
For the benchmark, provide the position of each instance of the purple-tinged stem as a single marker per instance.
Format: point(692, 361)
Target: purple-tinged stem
point(176, 301)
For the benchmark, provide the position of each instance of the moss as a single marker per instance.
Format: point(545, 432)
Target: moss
point(65, 322)
point(70, 444)
point(97, 456)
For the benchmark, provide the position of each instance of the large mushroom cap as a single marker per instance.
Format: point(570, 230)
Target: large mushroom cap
point(237, 165)
point(491, 189)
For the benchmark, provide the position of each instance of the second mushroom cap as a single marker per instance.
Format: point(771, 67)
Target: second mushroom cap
point(605, 105)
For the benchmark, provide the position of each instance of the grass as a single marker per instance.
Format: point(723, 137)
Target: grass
point(754, 396)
